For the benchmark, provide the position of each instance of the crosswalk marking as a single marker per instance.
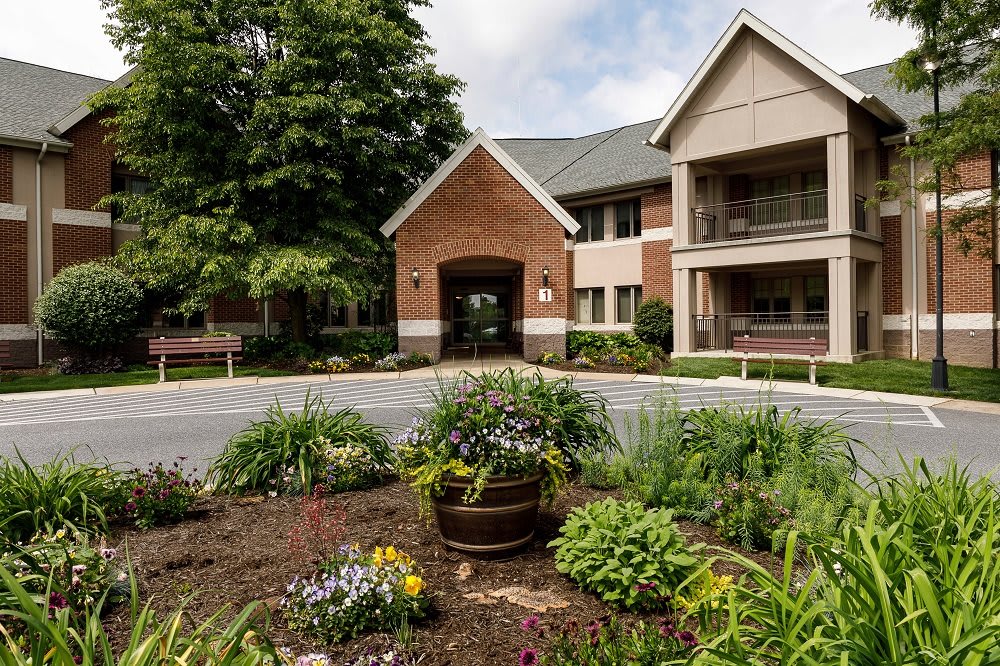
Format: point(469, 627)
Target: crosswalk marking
point(412, 394)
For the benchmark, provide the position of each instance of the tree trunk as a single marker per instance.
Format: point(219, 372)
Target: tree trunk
point(297, 311)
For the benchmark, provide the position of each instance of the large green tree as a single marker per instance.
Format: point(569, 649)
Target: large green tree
point(963, 37)
point(278, 136)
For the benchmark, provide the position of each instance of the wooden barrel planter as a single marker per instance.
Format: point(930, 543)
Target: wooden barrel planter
point(500, 523)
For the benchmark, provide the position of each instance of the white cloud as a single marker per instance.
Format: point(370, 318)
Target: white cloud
point(533, 67)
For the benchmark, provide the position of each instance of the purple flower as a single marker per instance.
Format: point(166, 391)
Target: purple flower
point(109, 553)
point(717, 504)
point(688, 638)
point(463, 449)
point(57, 601)
point(130, 507)
point(139, 491)
point(645, 587)
point(530, 623)
point(529, 657)
point(455, 436)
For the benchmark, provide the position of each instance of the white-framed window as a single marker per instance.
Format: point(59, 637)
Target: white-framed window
point(591, 220)
point(628, 219)
point(180, 320)
point(627, 300)
point(590, 306)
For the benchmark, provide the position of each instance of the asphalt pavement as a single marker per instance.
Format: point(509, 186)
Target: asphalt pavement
point(138, 427)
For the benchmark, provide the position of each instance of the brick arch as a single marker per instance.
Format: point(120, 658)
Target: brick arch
point(477, 248)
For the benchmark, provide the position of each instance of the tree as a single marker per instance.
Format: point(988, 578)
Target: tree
point(278, 136)
point(963, 36)
point(91, 307)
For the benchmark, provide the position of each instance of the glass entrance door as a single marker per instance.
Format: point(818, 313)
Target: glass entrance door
point(480, 315)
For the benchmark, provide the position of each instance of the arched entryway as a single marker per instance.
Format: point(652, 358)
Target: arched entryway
point(482, 304)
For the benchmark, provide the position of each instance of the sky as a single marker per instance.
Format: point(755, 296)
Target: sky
point(533, 68)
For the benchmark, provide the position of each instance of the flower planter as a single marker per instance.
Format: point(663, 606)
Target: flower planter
point(500, 523)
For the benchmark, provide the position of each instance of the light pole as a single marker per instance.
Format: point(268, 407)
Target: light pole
point(939, 365)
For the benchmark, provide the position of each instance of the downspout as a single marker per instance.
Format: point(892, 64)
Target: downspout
point(915, 301)
point(38, 242)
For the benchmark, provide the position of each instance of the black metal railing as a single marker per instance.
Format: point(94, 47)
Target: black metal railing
point(862, 331)
point(757, 218)
point(716, 331)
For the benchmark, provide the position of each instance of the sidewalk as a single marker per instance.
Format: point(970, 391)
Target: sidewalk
point(452, 369)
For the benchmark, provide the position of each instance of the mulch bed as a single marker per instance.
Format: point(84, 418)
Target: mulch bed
point(233, 551)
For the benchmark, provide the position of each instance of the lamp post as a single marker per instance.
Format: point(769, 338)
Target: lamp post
point(939, 364)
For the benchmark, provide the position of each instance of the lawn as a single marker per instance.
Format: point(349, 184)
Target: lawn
point(893, 376)
point(18, 383)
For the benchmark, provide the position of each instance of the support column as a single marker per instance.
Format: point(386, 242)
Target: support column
point(843, 305)
point(683, 186)
point(840, 180)
point(685, 301)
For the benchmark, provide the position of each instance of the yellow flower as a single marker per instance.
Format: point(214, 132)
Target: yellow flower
point(60, 534)
point(404, 558)
point(390, 554)
point(378, 556)
point(413, 585)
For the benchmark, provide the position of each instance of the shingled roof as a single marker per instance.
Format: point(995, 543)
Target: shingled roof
point(620, 158)
point(35, 98)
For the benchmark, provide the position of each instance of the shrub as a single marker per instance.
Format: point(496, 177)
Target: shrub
point(61, 494)
point(654, 323)
point(390, 362)
point(917, 581)
point(611, 641)
point(158, 496)
point(294, 445)
point(595, 345)
point(90, 307)
point(89, 364)
point(356, 591)
point(349, 343)
point(622, 552)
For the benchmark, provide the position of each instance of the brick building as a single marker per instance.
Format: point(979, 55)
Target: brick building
point(744, 206)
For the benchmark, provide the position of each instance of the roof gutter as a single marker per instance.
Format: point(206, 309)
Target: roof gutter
point(38, 242)
point(35, 144)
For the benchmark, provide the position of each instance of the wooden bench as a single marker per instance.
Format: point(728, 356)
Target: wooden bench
point(185, 351)
point(4, 353)
point(812, 348)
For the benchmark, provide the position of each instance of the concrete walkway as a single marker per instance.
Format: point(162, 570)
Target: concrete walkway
point(451, 368)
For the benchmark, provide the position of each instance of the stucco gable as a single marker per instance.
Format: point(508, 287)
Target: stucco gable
point(705, 83)
point(480, 139)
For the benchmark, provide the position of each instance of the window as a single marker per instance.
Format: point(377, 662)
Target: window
point(374, 312)
point(628, 219)
point(772, 297)
point(591, 221)
point(129, 183)
point(338, 315)
point(774, 195)
point(179, 320)
point(590, 306)
point(814, 205)
point(816, 294)
point(628, 300)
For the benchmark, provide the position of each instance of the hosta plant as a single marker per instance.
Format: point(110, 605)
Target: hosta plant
point(625, 554)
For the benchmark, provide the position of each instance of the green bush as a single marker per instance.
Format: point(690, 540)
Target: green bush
point(654, 323)
point(612, 641)
point(58, 495)
point(595, 345)
point(289, 452)
point(350, 343)
point(917, 581)
point(91, 307)
point(158, 495)
point(260, 349)
point(624, 553)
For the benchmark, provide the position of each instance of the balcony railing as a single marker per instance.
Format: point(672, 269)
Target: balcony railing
point(716, 331)
point(759, 218)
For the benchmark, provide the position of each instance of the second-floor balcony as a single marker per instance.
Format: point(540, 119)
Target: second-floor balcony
point(781, 215)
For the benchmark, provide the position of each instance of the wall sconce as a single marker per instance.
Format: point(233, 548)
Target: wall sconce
point(415, 274)
point(545, 276)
